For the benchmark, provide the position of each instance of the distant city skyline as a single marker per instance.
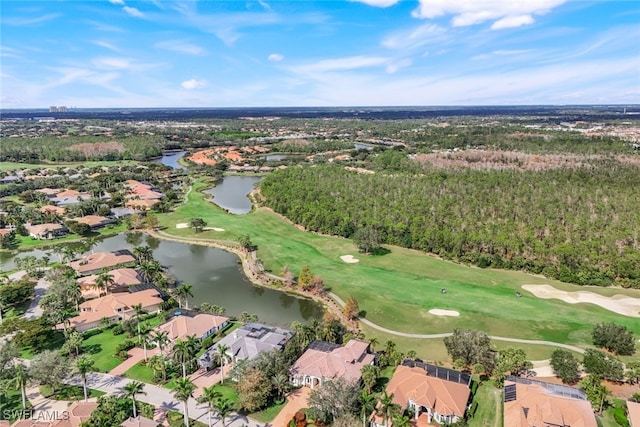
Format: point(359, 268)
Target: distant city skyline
point(198, 54)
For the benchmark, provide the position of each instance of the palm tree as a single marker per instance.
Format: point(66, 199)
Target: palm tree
point(131, 390)
point(401, 421)
point(210, 396)
point(370, 374)
point(73, 341)
point(182, 354)
point(21, 379)
point(194, 346)
point(368, 404)
point(149, 270)
point(144, 333)
point(185, 292)
point(280, 382)
point(75, 294)
point(143, 253)
point(387, 407)
point(161, 338)
point(183, 391)
point(84, 365)
point(139, 311)
point(224, 408)
point(68, 253)
point(103, 280)
point(221, 356)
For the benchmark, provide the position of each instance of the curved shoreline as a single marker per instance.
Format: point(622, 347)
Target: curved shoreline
point(333, 303)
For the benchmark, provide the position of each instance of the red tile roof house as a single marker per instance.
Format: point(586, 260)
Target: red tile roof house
point(73, 416)
point(46, 231)
point(183, 325)
point(429, 397)
point(633, 409)
point(122, 279)
point(94, 263)
point(94, 221)
point(325, 361)
point(115, 307)
point(537, 403)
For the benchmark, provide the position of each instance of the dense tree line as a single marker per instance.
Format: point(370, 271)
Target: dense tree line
point(578, 225)
point(68, 149)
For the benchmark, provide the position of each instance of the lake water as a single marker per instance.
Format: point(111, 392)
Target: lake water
point(216, 277)
point(276, 157)
point(171, 159)
point(231, 193)
point(359, 146)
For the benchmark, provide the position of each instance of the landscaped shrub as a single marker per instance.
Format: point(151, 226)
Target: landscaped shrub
point(125, 346)
point(207, 342)
point(122, 355)
point(91, 333)
point(619, 414)
point(117, 330)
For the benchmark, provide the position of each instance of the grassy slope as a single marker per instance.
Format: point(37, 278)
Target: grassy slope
point(397, 290)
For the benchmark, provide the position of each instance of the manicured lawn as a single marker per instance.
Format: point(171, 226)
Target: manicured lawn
point(398, 289)
point(176, 419)
point(102, 346)
point(488, 411)
point(11, 405)
point(69, 392)
point(140, 372)
point(26, 242)
point(608, 419)
point(268, 414)
point(55, 343)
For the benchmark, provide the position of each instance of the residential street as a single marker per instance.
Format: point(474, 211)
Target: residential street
point(161, 398)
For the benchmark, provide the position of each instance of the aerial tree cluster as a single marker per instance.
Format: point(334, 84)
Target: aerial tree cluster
point(567, 223)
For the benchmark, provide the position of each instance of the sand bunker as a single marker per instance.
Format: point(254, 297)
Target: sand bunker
point(213, 228)
point(621, 304)
point(349, 259)
point(182, 225)
point(440, 312)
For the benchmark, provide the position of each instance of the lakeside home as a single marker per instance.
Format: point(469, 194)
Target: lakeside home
point(185, 324)
point(122, 279)
point(94, 263)
point(325, 361)
point(115, 307)
point(46, 231)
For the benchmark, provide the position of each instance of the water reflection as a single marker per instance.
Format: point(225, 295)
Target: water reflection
point(215, 275)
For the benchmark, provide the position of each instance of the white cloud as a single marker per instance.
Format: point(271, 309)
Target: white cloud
point(133, 12)
point(341, 64)
point(112, 63)
point(30, 20)
point(512, 22)
point(503, 13)
point(120, 2)
point(181, 46)
point(378, 3)
point(106, 45)
point(193, 84)
point(275, 57)
point(396, 65)
point(416, 37)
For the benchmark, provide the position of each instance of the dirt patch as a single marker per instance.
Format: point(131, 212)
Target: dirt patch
point(213, 228)
point(491, 159)
point(621, 304)
point(182, 225)
point(440, 312)
point(91, 149)
point(349, 259)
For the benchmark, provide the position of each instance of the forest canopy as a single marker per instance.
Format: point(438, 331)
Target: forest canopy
point(578, 225)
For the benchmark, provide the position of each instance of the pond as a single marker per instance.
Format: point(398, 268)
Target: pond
point(359, 146)
point(231, 193)
point(276, 157)
point(216, 277)
point(170, 158)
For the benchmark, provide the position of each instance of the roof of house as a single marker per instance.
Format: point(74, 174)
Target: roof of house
point(185, 326)
point(445, 397)
point(247, 342)
point(120, 212)
point(48, 191)
point(92, 220)
point(100, 260)
point(344, 362)
point(121, 277)
point(43, 228)
point(4, 231)
point(633, 409)
point(536, 405)
point(53, 209)
point(78, 412)
point(139, 421)
point(108, 305)
point(145, 203)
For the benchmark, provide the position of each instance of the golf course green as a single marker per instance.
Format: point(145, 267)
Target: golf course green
point(398, 289)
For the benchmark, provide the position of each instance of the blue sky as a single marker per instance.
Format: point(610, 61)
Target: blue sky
point(216, 53)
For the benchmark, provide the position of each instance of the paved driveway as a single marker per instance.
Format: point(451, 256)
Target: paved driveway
point(34, 309)
point(161, 398)
point(296, 400)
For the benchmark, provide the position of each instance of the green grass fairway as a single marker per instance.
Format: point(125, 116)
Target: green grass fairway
point(398, 289)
